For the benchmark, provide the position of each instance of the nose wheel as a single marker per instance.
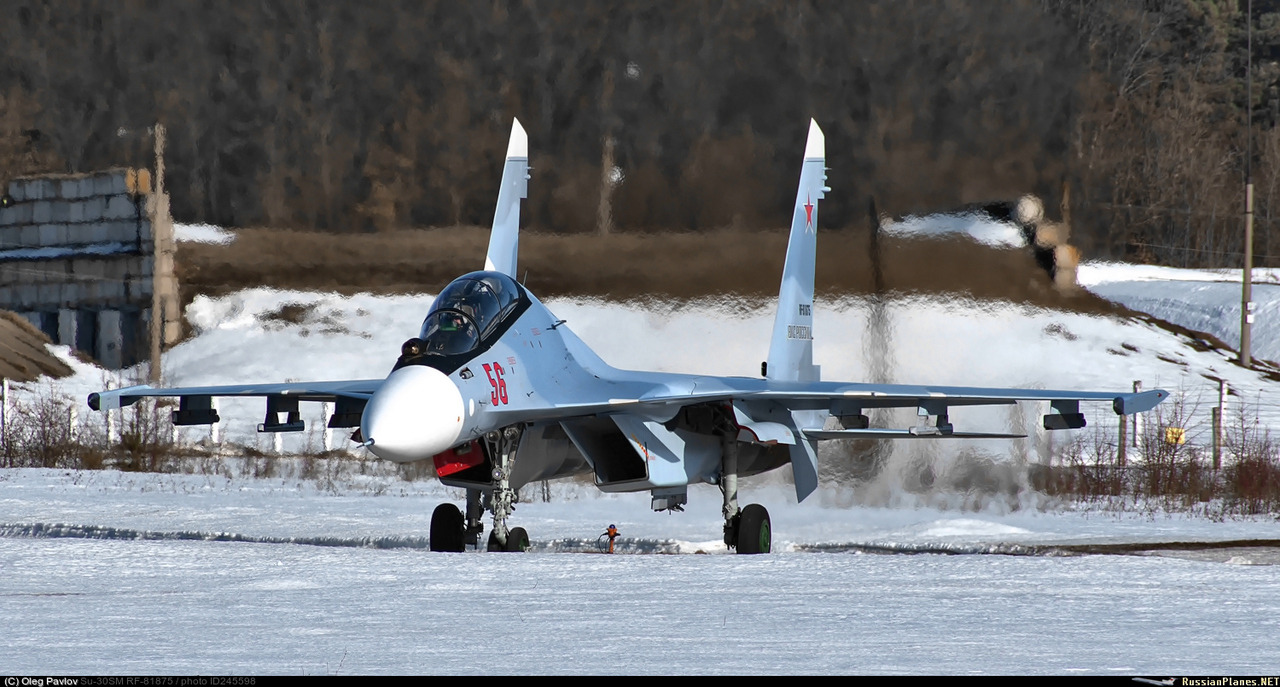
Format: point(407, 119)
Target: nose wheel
point(517, 541)
point(450, 531)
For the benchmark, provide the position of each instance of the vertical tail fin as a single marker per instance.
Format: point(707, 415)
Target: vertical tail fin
point(504, 238)
point(791, 348)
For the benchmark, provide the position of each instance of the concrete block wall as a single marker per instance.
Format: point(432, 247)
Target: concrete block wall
point(115, 338)
point(80, 259)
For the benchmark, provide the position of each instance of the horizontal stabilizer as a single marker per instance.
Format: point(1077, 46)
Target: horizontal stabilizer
point(912, 433)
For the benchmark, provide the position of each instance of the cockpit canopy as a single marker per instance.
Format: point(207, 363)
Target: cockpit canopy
point(467, 312)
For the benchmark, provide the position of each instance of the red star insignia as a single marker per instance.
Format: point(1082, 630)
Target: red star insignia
point(808, 212)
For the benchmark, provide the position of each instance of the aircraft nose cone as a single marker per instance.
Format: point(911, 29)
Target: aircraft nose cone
point(415, 414)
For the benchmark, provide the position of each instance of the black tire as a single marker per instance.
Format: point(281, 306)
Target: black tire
point(755, 534)
point(517, 540)
point(447, 529)
point(494, 544)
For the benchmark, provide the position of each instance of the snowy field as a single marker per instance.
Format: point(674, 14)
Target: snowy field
point(338, 582)
point(108, 572)
point(1203, 300)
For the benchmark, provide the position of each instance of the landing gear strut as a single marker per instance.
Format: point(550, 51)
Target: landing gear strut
point(475, 512)
point(748, 530)
point(450, 531)
point(502, 447)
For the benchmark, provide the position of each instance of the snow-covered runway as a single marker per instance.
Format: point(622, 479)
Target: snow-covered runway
point(159, 606)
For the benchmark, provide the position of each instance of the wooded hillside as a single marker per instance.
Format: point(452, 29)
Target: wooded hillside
point(355, 117)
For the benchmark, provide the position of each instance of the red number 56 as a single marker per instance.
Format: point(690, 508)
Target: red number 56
point(499, 395)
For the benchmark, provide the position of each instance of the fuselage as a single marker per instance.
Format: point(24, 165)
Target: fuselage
point(526, 363)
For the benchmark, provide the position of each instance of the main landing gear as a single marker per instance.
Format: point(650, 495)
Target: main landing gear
point(452, 533)
point(447, 529)
point(747, 530)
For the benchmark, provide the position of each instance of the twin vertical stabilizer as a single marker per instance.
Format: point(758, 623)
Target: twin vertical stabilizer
point(791, 348)
point(504, 238)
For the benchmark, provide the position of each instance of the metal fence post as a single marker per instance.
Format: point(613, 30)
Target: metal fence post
point(213, 427)
point(1137, 417)
point(1217, 438)
point(325, 413)
point(110, 418)
point(4, 412)
point(1122, 446)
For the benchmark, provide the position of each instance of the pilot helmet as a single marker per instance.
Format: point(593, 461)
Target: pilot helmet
point(451, 322)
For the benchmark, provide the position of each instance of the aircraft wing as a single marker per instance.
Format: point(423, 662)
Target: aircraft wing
point(823, 395)
point(835, 397)
point(362, 389)
point(839, 399)
point(794, 413)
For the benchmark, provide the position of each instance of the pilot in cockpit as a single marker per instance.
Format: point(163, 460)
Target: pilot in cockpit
point(466, 306)
point(451, 322)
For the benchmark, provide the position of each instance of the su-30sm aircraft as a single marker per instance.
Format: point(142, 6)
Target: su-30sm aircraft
point(499, 392)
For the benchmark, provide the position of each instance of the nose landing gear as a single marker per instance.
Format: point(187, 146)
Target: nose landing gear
point(517, 541)
point(450, 531)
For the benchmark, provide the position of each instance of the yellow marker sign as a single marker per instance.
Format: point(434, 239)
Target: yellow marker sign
point(1175, 435)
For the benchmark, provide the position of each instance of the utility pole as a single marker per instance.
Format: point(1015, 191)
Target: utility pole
point(157, 299)
point(166, 318)
point(1246, 292)
point(1218, 412)
point(1138, 428)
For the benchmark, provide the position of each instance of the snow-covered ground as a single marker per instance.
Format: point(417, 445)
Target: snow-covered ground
point(1203, 300)
point(202, 233)
point(335, 581)
point(108, 572)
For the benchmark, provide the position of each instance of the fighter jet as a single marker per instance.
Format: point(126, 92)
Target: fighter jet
point(498, 392)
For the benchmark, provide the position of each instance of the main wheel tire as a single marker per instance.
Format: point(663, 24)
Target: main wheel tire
point(755, 535)
point(447, 529)
point(518, 540)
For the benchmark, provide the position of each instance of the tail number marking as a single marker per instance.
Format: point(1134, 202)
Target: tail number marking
point(799, 331)
point(499, 394)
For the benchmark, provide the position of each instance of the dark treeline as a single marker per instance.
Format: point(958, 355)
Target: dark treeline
point(359, 116)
